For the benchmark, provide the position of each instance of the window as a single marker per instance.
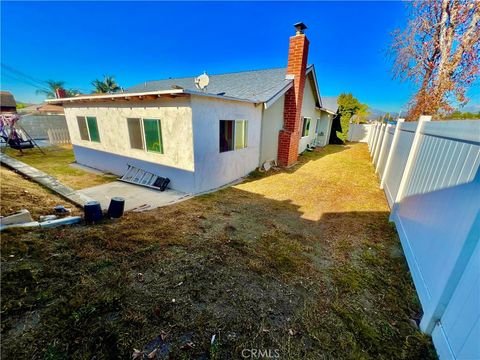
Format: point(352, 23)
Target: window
point(82, 126)
point(233, 135)
point(317, 128)
point(306, 126)
point(145, 134)
point(153, 135)
point(93, 129)
point(88, 128)
point(240, 134)
point(135, 133)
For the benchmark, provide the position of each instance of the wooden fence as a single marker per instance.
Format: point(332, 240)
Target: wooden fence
point(58, 136)
point(430, 174)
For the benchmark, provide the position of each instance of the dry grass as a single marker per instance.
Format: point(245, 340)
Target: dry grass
point(343, 181)
point(16, 193)
point(259, 265)
point(56, 162)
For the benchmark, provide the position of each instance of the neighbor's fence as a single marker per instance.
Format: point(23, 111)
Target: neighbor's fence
point(58, 136)
point(430, 174)
point(37, 125)
point(359, 132)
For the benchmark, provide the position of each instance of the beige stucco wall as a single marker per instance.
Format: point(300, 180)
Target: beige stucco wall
point(272, 123)
point(176, 123)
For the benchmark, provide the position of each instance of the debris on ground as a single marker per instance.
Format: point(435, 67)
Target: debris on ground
point(22, 216)
point(60, 209)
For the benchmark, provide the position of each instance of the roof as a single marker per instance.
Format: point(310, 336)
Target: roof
point(330, 103)
point(7, 99)
point(256, 86)
point(43, 108)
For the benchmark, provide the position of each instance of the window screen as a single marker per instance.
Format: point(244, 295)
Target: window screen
point(240, 134)
point(93, 128)
point(82, 126)
point(153, 135)
point(135, 133)
point(306, 127)
point(226, 135)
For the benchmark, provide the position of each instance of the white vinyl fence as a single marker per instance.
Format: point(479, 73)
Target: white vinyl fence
point(359, 132)
point(430, 174)
point(58, 136)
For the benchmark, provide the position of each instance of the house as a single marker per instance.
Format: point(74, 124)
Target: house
point(202, 139)
point(7, 102)
point(42, 109)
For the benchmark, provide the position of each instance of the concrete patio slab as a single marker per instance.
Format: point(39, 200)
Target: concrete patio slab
point(137, 198)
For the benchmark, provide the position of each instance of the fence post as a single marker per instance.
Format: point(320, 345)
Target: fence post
point(393, 148)
point(372, 140)
point(382, 148)
point(378, 143)
point(411, 159)
point(370, 135)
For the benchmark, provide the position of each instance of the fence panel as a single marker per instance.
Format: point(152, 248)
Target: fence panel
point(58, 136)
point(359, 132)
point(385, 149)
point(431, 178)
point(399, 157)
point(379, 142)
point(38, 125)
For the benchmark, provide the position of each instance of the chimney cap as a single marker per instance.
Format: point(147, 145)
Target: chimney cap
point(300, 26)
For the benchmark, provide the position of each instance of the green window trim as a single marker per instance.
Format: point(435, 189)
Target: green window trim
point(88, 128)
point(153, 135)
point(93, 129)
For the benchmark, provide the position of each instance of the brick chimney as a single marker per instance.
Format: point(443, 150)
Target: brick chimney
point(289, 136)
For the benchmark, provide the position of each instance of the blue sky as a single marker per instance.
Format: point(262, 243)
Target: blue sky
point(138, 41)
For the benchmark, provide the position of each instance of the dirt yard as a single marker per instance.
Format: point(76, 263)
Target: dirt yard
point(301, 263)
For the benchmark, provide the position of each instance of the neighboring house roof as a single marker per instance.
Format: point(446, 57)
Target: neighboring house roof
point(7, 99)
point(330, 103)
point(42, 108)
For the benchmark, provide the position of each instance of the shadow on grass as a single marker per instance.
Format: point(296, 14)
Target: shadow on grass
point(233, 264)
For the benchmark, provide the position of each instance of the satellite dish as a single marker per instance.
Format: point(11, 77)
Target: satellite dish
point(201, 82)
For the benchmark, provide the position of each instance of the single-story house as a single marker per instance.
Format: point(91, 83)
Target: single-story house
point(203, 138)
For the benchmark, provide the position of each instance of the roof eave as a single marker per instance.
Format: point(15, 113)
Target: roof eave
point(311, 68)
point(112, 96)
point(216, 96)
point(275, 97)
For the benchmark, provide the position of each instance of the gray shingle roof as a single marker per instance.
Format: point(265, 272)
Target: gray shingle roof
point(330, 103)
point(256, 85)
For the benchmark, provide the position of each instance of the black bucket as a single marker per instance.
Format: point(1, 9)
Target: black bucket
point(116, 207)
point(93, 211)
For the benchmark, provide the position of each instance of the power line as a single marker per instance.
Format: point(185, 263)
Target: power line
point(22, 74)
point(16, 78)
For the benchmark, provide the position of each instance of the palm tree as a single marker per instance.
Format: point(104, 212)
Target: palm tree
point(51, 88)
point(106, 86)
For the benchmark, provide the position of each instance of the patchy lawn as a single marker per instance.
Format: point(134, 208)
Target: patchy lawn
point(19, 193)
point(56, 162)
point(300, 262)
